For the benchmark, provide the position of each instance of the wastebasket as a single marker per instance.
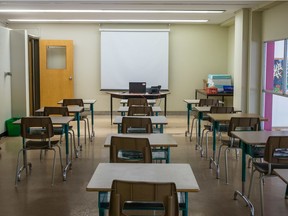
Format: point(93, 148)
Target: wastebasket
point(12, 129)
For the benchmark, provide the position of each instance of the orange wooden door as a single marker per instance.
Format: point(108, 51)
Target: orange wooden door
point(56, 71)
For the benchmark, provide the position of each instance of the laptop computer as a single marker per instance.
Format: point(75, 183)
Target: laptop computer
point(137, 87)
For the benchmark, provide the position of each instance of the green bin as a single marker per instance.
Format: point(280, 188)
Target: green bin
point(12, 129)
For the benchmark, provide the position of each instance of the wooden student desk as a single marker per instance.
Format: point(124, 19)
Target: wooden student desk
point(207, 95)
point(189, 105)
point(151, 102)
point(248, 139)
point(163, 141)
point(124, 109)
point(91, 103)
point(156, 120)
point(217, 118)
point(181, 174)
point(71, 109)
point(126, 95)
point(56, 120)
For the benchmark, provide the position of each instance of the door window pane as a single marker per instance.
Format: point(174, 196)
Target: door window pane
point(56, 57)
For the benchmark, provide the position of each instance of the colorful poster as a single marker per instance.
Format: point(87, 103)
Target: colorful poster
point(278, 75)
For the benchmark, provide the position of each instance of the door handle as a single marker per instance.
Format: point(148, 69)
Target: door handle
point(70, 78)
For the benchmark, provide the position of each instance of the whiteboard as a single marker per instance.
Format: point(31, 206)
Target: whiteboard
point(134, 56)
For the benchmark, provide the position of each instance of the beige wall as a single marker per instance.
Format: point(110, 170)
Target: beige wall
point(275, 23)
point(195, 51)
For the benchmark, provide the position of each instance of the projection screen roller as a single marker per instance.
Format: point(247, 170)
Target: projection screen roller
point(134, 56)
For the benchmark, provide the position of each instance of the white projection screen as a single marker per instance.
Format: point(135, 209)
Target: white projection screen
point(134, 56)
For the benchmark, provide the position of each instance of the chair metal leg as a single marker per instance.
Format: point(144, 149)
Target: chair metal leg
point(192, 126)
point(251, 183)
point(207, 143)
point(88, 126)
point(76, 152)
point(18, 171)
point(53, 168)
point(85, 132)
point(261, 194)
point(226, 164)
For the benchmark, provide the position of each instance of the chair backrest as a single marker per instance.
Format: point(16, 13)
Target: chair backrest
point(73, 102)
point(276, 150)
point(221, 109)
point(130, 150)
point(125, 191)
point(208, 102)
point(140, 111)
point(243, 124)
point(137, 101)
point(56, 111)
point(43, 124)
point(137, 124)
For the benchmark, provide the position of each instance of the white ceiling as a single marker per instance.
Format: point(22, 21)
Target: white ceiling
point(230, 8)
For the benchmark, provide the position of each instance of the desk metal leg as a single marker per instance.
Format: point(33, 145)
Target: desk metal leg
point(92, 121)
point(68, 161)
point(161, 128)
point(78, 129)
point(189, 108)
point(242, 194)
point(185, 212)
point(213, 158)
point(168, 155)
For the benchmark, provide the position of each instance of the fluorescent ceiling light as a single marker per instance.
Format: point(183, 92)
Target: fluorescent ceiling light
point(112, 11)
point(104, 21)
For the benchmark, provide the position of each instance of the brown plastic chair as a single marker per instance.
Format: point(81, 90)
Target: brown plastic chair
point(202, 102)
point(136, 125)
point(223, 127)
point(236, 124)
point(140, 111)
point(83, 115)
point(130, 150)
point(59, 130)
point(275, 157)
point(37, 141)
point(137, 102)
point(139, 194)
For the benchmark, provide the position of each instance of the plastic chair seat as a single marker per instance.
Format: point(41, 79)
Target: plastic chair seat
point(264, 167)
point(40, 144)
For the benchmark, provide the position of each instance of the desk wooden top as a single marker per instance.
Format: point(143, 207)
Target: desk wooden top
point(257, 137)
point(202, 108)
point(85, 101)
point(126, 108)
point(149, 101)
point(283, 174)
point(191, 101)
point(154, 119)
point(203, 92)
point(181, 174)
point(139, 94)
point(207, 109)
point(71, 109)
point(227, 116)
point(155, 140)
point(196, 101)
point(56, 120)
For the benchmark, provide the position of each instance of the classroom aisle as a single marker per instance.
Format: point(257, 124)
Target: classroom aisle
point(35, 196)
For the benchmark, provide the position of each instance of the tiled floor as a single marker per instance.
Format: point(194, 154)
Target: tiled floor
point(35, 196)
